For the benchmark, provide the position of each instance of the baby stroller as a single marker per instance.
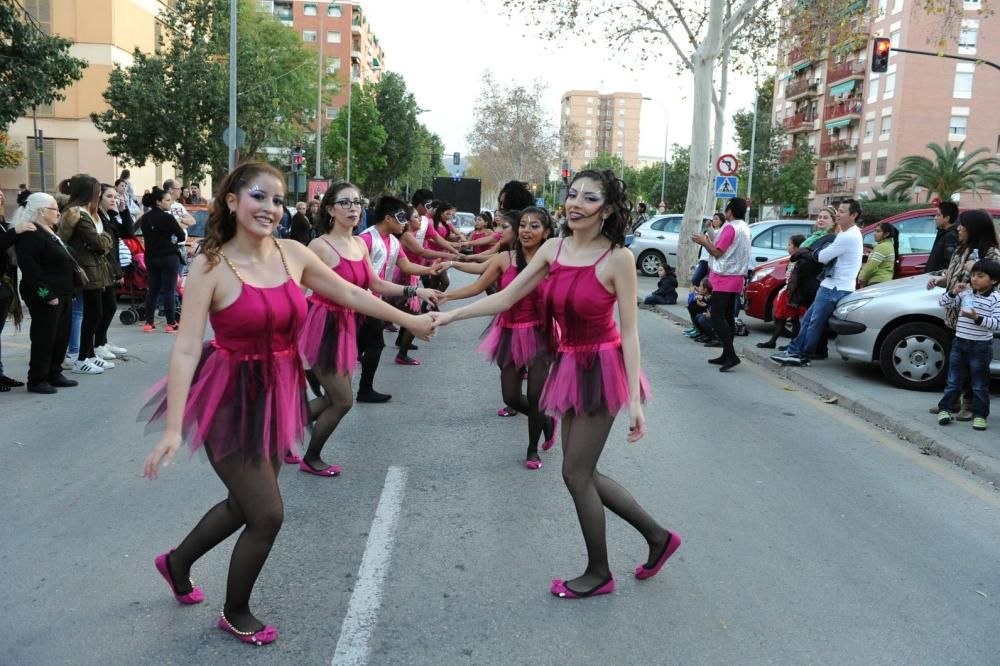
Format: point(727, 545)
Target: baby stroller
point(136, 284)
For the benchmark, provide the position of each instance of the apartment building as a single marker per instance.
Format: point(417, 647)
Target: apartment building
point(104, 33)
point(861, 124)
point(340, 32)
point(604, 123)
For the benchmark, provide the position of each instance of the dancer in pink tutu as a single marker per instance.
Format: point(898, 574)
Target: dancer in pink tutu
point(519, 338)
point(240, 395)
point(596, 371)
point(329, 344)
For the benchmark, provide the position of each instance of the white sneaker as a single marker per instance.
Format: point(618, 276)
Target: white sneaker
point(69, 360)
point(104, 353)
point(87, 368)
point(115, 349)
point(101, 363)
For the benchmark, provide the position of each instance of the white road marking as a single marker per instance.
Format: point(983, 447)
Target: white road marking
point(362, 611)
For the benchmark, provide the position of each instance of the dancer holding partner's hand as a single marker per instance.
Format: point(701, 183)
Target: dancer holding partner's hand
point(596, 372)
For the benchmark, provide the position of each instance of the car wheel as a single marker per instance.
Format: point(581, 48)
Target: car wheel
point(649, 262)
point(915, 356)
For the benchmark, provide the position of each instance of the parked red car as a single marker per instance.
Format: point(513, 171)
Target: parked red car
point(916, 237)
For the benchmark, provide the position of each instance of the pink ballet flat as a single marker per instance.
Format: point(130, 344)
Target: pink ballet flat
point(332, 470)
point(533, 464)
point(407, 361)
point(673, 543)
point(506, 411)
point(268, 634)
point(560, 590)
point(195, 596)
point(292, 459)
point(547, 444)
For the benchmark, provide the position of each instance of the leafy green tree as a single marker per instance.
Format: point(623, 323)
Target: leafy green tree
point(172, 106)
point(795, 180)
point(35, 68)
point(426, 163)
point(368, 137)
point(614, 163)
point(880, 196)
point(398, 113)
point(768, 147)
point(949, 173)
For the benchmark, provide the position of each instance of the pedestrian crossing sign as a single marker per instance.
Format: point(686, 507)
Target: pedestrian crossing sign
point(725, 187)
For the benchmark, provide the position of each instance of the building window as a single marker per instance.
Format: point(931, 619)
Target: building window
point(881, 165)
point(869, 128)
point(308, 35)
point(967, 38)
point(333, 11)
point(590, 100)
point(41, 11)
point(309, 9)
point(897, 6)
point(886, 128)
point(873, 90)
point(890, 85)
point(283, 12)
point(332, 65)
point(963, 85)
point(621, 145)
point(586, 154)
point(957, 126)
point(331, 112)
point(866, 167)
point(34, 165)
point(972, 4)
point(590, 111)
point(882, 6)
point(332, 37)
point(894, 40)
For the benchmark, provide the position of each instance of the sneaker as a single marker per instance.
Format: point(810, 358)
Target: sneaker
point(944, 417)
point(104, 353)
point(979, 423)
point(87, 368)
point(964, 415)
point(171, 328)
point(68, 361)
point(785, 358)
point(115, 349)
point(101, 363)
point(148, 328)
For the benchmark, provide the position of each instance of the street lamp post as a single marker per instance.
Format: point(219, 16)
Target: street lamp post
point(666, 146)
point(319, 98)
point(232, 84)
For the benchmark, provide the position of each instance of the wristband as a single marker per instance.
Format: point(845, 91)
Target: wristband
point(409, 291)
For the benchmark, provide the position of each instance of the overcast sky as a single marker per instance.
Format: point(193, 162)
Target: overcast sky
point(441, 47)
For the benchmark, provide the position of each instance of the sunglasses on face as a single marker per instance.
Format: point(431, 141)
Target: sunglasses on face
point(402, 218)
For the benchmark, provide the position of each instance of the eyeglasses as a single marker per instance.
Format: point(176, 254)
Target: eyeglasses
point(48, 208)
point(348, 203)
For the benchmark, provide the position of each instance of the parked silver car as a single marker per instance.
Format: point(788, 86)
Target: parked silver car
point(464, 222)
point(769, 238)
point(900, 326)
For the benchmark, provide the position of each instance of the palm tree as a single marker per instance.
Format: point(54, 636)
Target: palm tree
point(948, 173)
point(896, 195)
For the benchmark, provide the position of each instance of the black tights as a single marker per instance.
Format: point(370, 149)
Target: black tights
point(403, 341)
point(583, 440)
point(326, 412)
point(254, 501)
point(510, 386)
point(779, 329)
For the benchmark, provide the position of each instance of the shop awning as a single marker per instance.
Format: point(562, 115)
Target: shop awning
point(840, 122)
point(842, 88)
point(802, 65)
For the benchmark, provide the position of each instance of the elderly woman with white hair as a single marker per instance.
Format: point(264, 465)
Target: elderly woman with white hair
point(47, 269)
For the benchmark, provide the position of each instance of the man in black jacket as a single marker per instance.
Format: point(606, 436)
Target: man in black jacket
point(947, 237)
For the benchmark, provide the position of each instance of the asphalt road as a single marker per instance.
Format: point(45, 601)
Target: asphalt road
point(810, 537)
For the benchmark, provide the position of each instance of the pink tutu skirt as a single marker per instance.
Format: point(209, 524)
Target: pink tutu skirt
point(519, 345)
point(328, 340)
point(589, 382)
point(249, 404)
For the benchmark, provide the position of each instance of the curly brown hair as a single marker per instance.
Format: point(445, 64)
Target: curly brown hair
point(613, 228)
point(221, 225)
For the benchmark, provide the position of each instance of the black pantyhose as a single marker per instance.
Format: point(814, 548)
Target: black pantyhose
point(510, 386)
point(404, 341)
point(583, 440)
point(326, 413)
point(254, 501)
point(779, 329)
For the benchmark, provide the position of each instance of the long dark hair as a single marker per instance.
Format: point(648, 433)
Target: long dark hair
point(221, 225)
point(890, 231)
point(546, 222)
point(324, 221)
point(82, 190)
point(439, 211)
point(613, 188)
point(980, 231)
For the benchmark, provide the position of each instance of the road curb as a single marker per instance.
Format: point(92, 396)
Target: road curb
point(928, 441)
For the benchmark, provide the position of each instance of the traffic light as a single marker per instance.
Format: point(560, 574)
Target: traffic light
point(298, 158)
point(456, 159)
point(565, 175)
point(880, 55)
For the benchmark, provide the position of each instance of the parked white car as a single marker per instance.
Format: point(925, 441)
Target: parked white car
point(900, 326)
point(769, 238)
point(465, 223)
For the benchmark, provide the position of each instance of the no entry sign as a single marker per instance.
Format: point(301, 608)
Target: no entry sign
point(727, 165)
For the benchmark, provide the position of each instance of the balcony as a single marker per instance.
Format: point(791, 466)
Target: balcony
point(852, 69)
point(798, 54)
point(803, 121)
point(786, 156)
point(835, 186)
point(802, 87)
point(839, 150)
point(848, 109)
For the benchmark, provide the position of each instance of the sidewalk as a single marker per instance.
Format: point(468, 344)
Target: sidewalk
point(861, 389)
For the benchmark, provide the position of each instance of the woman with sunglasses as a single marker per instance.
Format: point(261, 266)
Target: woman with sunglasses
point(329, 341)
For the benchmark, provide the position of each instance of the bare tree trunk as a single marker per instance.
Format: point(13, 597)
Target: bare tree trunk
point(720, 125)
point(703, 66)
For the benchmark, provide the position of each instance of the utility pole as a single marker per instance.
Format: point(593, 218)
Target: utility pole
point(233, 6)
point(666, 146)
point(753, 142)
point(319, 99)
point(39, 139)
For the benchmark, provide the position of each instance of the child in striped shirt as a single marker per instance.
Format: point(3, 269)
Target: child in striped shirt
point(972, 350)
